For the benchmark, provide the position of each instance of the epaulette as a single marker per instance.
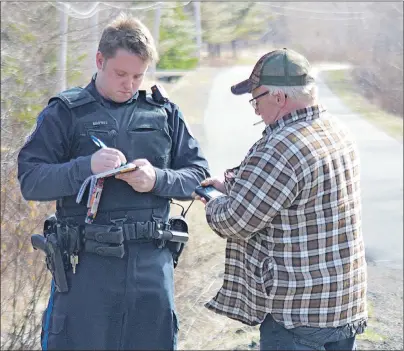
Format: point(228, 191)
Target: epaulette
point(74, 97)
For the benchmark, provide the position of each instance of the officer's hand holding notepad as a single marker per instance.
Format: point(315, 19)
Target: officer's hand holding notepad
point(93, 179)
point(96, 182)
point(123, 169)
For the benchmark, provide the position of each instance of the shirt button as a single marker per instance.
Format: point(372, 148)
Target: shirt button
point(112, 133)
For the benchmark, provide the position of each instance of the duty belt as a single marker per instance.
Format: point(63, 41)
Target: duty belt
point(116, 234)
point(107, 240)
point(139, 230)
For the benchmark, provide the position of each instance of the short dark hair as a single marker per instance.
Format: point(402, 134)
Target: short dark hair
point(130, 34)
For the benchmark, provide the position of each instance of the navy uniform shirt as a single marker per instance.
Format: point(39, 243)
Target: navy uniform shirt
point(46, 172)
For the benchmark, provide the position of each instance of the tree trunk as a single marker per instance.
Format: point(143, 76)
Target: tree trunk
point(218, 50)
point(211, 50)
point(234, 48)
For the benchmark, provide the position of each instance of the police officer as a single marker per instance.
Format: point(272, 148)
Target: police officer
point(114, 302)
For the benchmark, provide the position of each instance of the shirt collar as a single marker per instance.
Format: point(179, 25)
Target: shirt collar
point(104, 101)
point(304, 114)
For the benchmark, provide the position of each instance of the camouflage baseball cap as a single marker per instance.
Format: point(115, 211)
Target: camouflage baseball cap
point(283, 67)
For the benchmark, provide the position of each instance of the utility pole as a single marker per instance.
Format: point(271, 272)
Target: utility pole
point(197, 14)
point(156, 36)
point(62, 55)
point(94, 40)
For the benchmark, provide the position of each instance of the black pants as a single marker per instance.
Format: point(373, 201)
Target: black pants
point(115, 303)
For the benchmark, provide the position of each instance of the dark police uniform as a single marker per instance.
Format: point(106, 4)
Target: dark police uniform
point(112, 303)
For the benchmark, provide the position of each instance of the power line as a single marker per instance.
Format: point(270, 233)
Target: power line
point(77, 13)
point(311, 11)
point(334, 18)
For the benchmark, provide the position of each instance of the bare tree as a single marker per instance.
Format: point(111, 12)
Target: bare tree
point(29, 50)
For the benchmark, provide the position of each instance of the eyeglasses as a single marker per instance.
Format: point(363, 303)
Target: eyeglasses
point(253, 102)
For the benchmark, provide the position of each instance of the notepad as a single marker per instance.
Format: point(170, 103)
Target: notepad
point(92, 180)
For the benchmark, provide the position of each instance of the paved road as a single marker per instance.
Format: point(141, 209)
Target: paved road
point(230, 132)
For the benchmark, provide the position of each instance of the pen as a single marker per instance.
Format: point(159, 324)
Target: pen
point(98, 142)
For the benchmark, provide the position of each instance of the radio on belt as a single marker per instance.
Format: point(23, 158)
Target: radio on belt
point(159, 94)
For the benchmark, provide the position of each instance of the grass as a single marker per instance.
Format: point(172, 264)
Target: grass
point(370, 333)
point(198, 277)
point(342, 84)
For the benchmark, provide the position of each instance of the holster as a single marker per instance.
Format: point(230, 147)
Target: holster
point(52, 246)
point(55, 263)
point(69, 239)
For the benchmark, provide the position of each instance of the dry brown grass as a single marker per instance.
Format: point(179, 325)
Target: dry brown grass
point(342, 83)
point(198, 277)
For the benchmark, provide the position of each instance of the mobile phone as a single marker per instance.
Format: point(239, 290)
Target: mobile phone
point(208, 192)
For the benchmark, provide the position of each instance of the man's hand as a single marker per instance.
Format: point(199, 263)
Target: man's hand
point(106, 159)
point(216, 182)
point(142, 179)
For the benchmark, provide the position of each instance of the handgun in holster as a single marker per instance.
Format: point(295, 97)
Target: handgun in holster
point(51, 246)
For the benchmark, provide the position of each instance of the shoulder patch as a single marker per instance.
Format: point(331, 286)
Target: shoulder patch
point(36, 126)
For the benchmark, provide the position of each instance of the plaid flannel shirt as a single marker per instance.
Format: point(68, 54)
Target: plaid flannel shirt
point(292, 220)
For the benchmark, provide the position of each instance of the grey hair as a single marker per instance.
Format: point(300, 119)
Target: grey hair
point(306, 93)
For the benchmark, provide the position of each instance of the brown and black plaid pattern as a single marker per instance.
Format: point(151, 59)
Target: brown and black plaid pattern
point(292, 219)
point(256, 73)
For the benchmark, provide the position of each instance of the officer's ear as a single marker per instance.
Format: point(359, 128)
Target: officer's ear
point(100, 60)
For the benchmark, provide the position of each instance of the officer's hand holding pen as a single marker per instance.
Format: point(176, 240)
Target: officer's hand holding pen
point(106, 158)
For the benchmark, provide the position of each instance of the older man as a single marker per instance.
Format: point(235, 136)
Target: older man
point(291, 214)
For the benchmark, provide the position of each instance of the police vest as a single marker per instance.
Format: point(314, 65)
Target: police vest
point(144, 135)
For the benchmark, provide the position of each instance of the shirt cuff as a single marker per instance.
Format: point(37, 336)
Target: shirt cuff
point(211, 209)
point(83, 167)
point(159, 180)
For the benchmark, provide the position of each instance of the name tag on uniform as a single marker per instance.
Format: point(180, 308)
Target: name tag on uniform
point(97, 123)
